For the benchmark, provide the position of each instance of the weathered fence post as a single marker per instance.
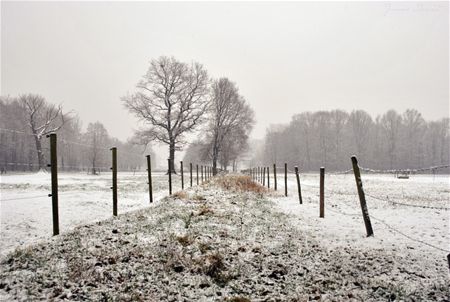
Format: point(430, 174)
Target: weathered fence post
point(197, 173)
point(298, 185)
point(268, 178)
point(322, 192)
point(275, 176)
point(182, 175)
point(114, 179)
point(257, 174)
point(190, 172)
point(201, 168)
point(264, 177)
point(54, 170)
point(149, 172)
point(285, 179)
point(362, 197)
point(170, 176)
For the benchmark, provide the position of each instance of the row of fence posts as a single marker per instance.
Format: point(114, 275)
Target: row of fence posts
point(259, 174)
point(206, 173)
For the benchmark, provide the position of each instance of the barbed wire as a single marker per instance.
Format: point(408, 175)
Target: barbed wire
point(391, 228)
point(370, 170)
point(339, 172)
point(22, 198)
point(407, 236)
point(15, 131)
point(20, 164)
point(406, 204)
point(408, 170)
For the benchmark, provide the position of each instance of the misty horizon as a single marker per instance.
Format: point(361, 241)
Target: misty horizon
point(284, 62)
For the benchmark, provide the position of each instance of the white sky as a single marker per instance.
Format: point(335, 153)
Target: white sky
point(285, 57)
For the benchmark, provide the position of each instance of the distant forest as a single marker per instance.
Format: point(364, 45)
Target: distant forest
point(329, 138)
point(26, 120)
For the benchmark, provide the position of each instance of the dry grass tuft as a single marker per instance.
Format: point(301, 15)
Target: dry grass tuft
point(198, 197)
point(205, 210)
point(185, 240)
point(237, 299)
point(180, 195)
point(240, 183)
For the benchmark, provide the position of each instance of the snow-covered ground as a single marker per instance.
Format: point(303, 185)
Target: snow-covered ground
point(217, 243)
point(26, 209)
point(403, 211)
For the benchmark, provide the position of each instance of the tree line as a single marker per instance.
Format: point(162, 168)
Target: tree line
point(173, 100)
point(328, 138)
point(27, 119)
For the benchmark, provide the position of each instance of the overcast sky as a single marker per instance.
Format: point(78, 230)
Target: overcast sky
point(285, 57)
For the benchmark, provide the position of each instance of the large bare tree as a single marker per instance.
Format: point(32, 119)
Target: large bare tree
point(229, 115)
point(42, 118)
point(171, 101)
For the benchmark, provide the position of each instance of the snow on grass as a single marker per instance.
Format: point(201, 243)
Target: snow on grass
point(26, 210)
point(392, 223)
point(210, 244)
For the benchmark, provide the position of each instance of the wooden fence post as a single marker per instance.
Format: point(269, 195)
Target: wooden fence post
point(170, 176)
point(362, 197)
point(285, 179)
point(182, 175)
point(190, 172)
point(54, 171)
point(114, 179)
point(197, 173)
point(201, 168)
point(264, 177)
point(322, 192)
point(149, 172)
point(268, 178)
point(298, 185)
point(275, 176)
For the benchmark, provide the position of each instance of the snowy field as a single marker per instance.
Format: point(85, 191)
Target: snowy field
point(218, 243)
point(403, 211)
point(26, 208)
point(26, 211)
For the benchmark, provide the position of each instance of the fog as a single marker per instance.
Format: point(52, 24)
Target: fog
point(285, 58)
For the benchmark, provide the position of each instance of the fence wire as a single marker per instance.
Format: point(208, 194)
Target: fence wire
point(391, 228)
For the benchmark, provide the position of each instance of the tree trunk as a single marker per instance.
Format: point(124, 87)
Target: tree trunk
point(39, 153)
point(172, 157)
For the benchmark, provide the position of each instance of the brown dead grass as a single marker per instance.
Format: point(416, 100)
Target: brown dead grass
point(205, 210)
point(185, 240)
point(180, 195)
point(240, 183)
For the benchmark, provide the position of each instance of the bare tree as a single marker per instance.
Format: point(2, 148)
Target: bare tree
point(97, 138)
point(171, 101)
point(230, 115)
point(360, 123)
point(43, 119)
point(391, 122)
point(234, 145)
point(413, 123)
point(338, 120)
